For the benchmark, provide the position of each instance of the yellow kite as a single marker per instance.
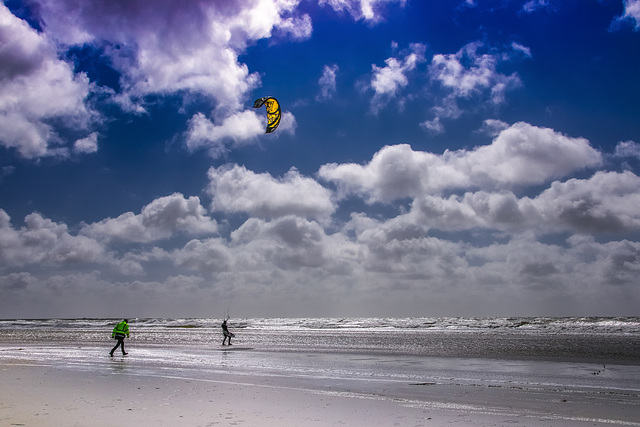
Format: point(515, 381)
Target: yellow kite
point(273, 111)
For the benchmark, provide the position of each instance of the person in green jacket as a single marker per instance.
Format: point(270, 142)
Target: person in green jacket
point(119, 332)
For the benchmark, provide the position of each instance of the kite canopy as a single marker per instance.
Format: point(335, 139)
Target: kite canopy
point(273, 111)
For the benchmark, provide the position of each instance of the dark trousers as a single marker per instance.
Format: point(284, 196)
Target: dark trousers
point(226, 335)
point(120, 344)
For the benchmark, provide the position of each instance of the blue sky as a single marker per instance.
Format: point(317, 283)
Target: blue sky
point(460, 158)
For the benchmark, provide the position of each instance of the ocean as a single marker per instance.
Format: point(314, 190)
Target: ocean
point(589, 339)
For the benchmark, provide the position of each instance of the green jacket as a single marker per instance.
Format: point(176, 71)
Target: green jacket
point(121, 328)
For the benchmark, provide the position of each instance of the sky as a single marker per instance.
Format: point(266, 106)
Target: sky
point(449, 158)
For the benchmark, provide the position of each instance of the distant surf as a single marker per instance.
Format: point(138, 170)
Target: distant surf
point(593, 339)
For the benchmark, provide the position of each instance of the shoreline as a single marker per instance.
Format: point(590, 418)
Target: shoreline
point(54, 395)
point(55, 385)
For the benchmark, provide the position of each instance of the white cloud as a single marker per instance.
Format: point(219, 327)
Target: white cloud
point(607, 202)
point(395, 172)
point(241, 126)
point(195, 52)
point(493, 127)
point(632, 10)
point(601, 204)
point(448, 109)
point(161, 219)
point(205, 256)
point(292, 244)
point(238, 129)
point(125, 264)
point(521, 48)
point(388, 81)
point(43, 242)
point(166, 47)
point(427, 259)
point(37, 87)
point(480, 74)
point(327, 82)
point(288, 242)
point(586, 262)
point(477, 210)
point(236, 189)
point(631, 14)
point(520, 155)
point(627, 149)
point(434, 126)
point(87, 145)
point(360, 9)
point(298, 27)
point(470, 74)
point(362, 262)
point(534, 5)
point(526, 154)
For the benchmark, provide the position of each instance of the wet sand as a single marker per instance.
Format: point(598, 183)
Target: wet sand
point(121, 391)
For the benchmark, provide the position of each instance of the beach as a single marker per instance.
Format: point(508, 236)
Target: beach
point(74, 382)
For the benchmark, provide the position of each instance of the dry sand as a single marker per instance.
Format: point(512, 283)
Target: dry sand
point(58, 395)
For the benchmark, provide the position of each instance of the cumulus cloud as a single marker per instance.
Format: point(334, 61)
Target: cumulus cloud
point(520, 155)
point(395, 172)
point(294, 240)
point(480, 73)
point(236, 189)
point(327, 82)
point(493, 127)
point(292, 256)
point(361, 9)
point(473, 210)
point(472, 72)
point(388, 81)
point(632, 10)
point(196, 50)
point(606, 202)
point(368, 256)
point(627, 149)
point(434, 126)
point(16, 281)
point(298, 27)
point(161, 219)
point(37, 88)
point(631, 14)
point(87, 145)
point(93, 295)
point(603, 203)
point(42, 241)
point(202, 133)
point(205, 256)
point(526, 154)
point(238, 129)
point(289, 242)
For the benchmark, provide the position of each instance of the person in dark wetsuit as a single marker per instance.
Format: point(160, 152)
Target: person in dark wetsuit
point(226, 332)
